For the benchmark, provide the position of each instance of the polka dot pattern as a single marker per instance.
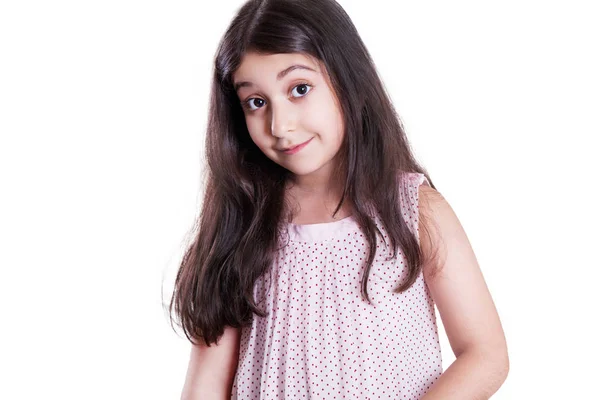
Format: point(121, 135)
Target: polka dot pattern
point(321, 340)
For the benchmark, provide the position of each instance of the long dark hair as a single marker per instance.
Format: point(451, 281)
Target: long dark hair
point(235, 237)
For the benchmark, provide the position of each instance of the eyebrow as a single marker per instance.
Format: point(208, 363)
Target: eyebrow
point(280, 75)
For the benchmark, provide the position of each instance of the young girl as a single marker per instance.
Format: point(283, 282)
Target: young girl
point(323, 245)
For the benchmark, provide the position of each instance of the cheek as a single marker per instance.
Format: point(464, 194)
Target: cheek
point(256, 133)
point(336, 127)
point(263, 141)
point(340, 128)
point(325, 116)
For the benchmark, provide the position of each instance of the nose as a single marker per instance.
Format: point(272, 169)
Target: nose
point(283, 118)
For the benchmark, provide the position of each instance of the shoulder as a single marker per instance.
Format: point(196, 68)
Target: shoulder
point(437, 212)
point(427, 199)
point(431, 197)
point(438, 225)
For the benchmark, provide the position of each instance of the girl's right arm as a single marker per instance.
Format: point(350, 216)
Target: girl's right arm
point(211, 370)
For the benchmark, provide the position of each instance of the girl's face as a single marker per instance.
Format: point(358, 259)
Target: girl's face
point(286, 106)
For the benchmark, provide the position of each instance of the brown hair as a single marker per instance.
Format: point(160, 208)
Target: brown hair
point(235, 237)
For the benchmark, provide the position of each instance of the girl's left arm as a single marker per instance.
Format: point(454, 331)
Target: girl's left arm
point(464, 303)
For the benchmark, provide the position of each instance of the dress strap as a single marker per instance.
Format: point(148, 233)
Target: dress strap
point(409, 198)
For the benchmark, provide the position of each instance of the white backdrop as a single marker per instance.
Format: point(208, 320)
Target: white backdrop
point(102, 113)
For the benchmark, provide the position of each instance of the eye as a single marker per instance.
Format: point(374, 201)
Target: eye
point(254, 100)
point(305, 91)
point(249, 101)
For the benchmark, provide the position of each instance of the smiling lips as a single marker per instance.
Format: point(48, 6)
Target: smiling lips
point(294, 150)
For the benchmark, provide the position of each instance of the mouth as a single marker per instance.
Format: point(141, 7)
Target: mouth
point(295, 149)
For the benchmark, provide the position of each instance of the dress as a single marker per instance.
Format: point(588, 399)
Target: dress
point(321, 339)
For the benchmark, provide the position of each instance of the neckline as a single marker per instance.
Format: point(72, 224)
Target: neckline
point(321, 224)
point(322, 231)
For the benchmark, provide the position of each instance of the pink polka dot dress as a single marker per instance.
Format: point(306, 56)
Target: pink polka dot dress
point(321, 340)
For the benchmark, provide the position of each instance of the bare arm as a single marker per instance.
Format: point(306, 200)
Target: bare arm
point(466, 308)
point(211, 370)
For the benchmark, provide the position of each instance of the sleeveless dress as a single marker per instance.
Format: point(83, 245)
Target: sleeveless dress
point(321, 339)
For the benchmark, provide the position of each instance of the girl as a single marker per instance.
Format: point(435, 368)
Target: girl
point(323, 245)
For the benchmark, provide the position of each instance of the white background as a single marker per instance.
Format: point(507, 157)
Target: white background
point(103, 107)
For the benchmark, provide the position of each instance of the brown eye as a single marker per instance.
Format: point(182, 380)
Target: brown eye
point(306, 90)
point(253, 100)
point(258, 102)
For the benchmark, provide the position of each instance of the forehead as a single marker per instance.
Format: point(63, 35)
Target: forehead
point(273, 67)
